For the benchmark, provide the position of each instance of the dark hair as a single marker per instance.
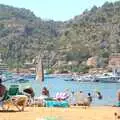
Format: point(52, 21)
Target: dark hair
point(89, 94)
point(0, 80)
point(44, 88)
point(73, 92)
point(98, 93)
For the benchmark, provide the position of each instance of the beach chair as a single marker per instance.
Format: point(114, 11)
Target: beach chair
point(13, 90)
point(54, 103)
point(13, 97)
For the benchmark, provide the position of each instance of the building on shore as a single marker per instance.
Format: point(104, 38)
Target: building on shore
point(114, 64)
point(3, 67)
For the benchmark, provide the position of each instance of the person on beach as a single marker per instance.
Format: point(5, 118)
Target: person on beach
point(45, 92)
point(72, 99)
point(89, 97)
point(80, 96)
point(2, 89)
point(118, 98)
point(99, 95)
point(29, 92)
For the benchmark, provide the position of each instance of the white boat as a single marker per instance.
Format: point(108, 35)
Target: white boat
point(85, 78)
point(107, 79)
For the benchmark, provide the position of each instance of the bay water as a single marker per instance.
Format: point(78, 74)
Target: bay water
point(58, 84)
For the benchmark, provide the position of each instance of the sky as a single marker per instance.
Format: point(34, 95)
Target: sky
point(58, 10)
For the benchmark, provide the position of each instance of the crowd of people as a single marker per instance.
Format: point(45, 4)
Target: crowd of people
point(74, 98)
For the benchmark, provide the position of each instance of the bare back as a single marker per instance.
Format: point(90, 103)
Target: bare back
point(2, 90)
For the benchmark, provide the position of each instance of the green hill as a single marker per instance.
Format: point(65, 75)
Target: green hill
point(95, 32)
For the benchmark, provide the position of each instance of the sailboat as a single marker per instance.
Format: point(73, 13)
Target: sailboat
point(40, 70)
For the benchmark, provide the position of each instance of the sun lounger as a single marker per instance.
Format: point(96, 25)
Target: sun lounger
point(19, 101)
point(12, 97)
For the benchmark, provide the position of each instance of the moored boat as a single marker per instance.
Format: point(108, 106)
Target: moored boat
point(107, 79)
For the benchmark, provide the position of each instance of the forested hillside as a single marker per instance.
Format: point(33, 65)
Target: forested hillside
point(23, 36)
point(95, 32)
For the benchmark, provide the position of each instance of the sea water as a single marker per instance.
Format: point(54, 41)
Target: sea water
point(57, 84)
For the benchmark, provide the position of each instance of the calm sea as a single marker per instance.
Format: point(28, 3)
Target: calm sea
point(57, 84)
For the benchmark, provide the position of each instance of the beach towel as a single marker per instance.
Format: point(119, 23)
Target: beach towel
point(56, 103)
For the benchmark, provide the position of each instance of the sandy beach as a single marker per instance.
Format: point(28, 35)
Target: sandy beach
point(72, 113)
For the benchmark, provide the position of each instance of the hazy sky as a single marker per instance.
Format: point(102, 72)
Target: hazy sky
point(55, 9)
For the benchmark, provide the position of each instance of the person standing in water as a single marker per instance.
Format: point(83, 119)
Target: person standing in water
point(45, 91)
point(99, 95)
point(72, 99)
point(89, 97)
point(118, 98)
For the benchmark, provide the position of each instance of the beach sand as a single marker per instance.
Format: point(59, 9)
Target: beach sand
point(72, 113)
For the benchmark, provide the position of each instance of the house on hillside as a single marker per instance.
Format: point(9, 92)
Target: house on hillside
point(114, 63)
